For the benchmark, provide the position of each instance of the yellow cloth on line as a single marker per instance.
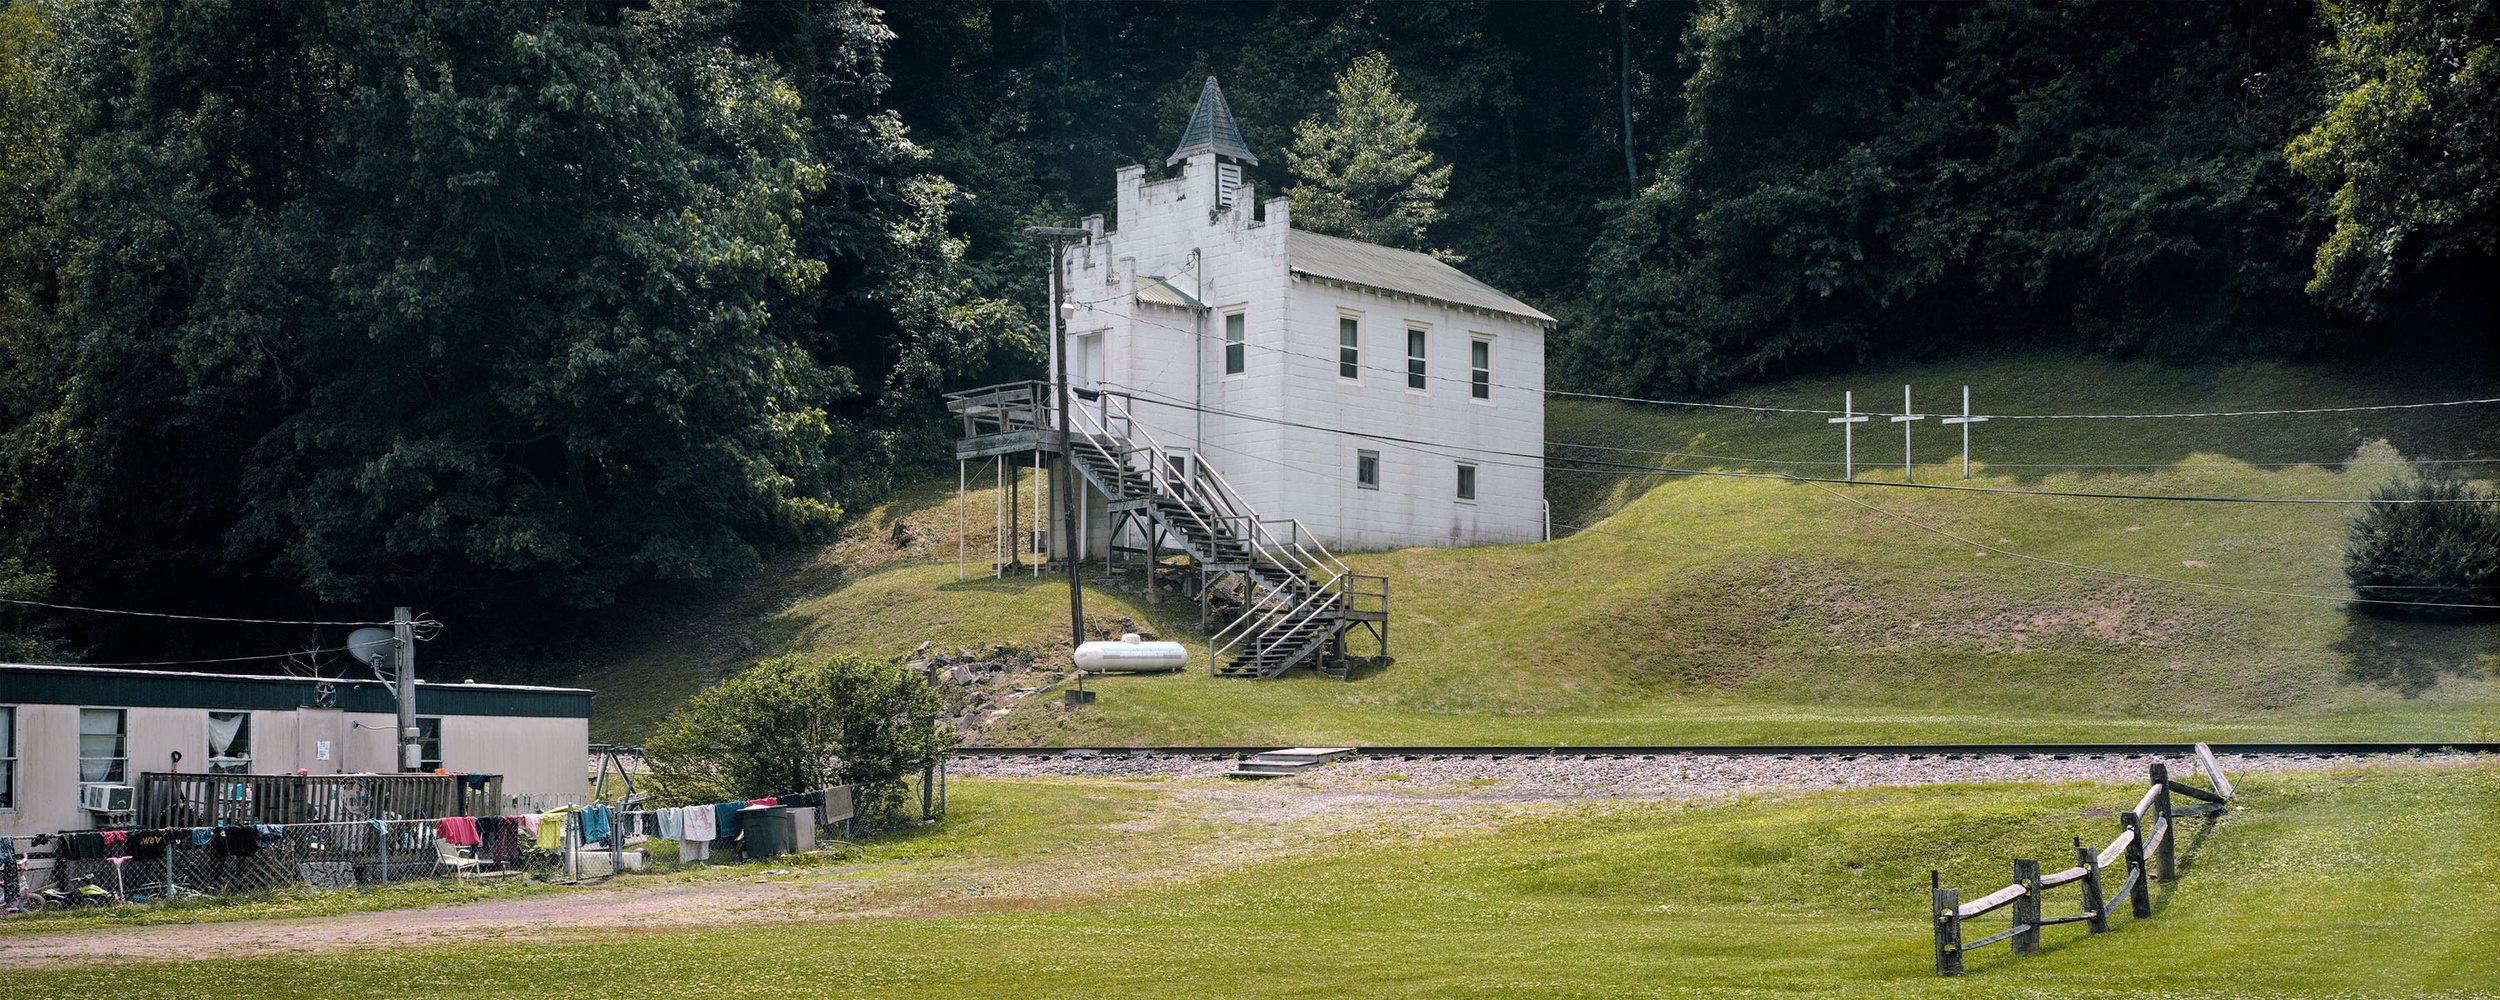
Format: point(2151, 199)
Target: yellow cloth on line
point(551, 830)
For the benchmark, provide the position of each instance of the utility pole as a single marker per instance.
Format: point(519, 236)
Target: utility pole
point(1064, 485)
point(404, 654)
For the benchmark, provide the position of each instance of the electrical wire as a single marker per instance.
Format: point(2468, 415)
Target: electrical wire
point(2139, 576)
point(184, 663)
point(1810, 411)
point(1449, 450)
point(189, 618)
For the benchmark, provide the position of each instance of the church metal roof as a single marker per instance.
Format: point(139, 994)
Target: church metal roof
point(1404, 271)
point(1211, 130)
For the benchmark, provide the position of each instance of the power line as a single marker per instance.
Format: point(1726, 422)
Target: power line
point(2034, 465)
point(1445, 449)
point(186, 663)
point(188, 618)
point(1752, 408)
point(2138, 576)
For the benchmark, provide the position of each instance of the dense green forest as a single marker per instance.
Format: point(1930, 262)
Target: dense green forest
point(505, 309)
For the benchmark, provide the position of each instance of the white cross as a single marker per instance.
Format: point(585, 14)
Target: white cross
point(1904, 420)
point(1848, 440)
point(1965, 420)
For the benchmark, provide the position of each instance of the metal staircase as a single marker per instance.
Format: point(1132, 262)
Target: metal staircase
point(1298, 601)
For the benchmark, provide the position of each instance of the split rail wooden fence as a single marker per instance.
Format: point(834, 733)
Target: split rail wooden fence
point(2149, 855)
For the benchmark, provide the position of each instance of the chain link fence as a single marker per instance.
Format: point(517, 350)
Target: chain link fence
point(243, 859)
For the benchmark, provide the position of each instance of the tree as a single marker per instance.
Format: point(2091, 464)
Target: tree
point(794, 724)
point(2443, 552)
point(1364, 172)
point(2410, 144)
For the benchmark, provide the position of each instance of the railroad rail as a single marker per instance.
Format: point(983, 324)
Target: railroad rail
point(1843, 750)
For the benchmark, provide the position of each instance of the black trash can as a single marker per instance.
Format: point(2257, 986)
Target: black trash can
point(767, 831)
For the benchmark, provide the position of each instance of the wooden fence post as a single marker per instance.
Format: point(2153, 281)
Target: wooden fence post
point(2165, 857)
point(2092, 903)
point(2139, 899)
point(2027, 908)
point(1947, 913)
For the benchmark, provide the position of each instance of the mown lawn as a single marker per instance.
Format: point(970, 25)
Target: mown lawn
point(2359, 884)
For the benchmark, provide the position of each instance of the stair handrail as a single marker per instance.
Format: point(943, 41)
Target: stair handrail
point(1159, 475)
point(1216, 493)
point(1311, 608)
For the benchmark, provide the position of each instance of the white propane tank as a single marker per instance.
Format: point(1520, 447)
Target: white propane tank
point(1130, 655)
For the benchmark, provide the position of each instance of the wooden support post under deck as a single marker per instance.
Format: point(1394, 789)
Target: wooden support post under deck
point(2027, 908)
point(2093, 904)
point(2140, 900)
point(1946, 910)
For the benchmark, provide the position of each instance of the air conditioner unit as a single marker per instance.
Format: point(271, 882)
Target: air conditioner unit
point(102, 796)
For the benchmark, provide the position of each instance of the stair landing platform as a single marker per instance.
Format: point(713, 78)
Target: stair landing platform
point(1287, 762)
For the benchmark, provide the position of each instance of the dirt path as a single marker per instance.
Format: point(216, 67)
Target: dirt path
point(540, 916)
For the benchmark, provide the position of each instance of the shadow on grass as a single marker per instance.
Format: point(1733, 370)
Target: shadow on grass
point(2410, 657)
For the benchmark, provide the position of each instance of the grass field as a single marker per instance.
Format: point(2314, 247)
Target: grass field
point(2354, 884)
point(1685, 608)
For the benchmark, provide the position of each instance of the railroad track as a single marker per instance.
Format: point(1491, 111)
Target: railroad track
point(1840, 750)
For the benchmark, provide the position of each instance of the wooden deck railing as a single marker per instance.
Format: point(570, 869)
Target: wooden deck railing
point(2149, 855)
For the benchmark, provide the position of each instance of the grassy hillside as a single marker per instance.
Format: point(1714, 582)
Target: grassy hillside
point(1683, 608)
point(2365, 884)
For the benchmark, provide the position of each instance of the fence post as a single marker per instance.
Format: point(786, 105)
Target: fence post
point(2139, 899)
point(2165, 858)
point(2092, 902)
point(1947, 914)
point(2027, 907)
point(382, 847)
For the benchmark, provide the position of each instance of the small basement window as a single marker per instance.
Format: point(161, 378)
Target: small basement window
point(1466, 481)
point(1367, 469)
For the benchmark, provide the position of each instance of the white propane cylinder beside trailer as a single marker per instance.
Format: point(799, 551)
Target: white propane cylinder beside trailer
point(1131, 655)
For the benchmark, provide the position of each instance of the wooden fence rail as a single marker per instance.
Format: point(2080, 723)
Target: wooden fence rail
point(2149, 855)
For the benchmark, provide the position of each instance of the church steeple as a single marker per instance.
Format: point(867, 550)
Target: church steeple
point(1211, 130)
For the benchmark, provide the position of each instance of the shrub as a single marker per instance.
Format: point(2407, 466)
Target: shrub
point(793, 724)
point(2429, 553)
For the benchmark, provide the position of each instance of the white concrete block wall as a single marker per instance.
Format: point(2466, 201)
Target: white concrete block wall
point(1242, 260)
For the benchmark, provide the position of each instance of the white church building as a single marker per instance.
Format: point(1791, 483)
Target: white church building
point(1380, 396)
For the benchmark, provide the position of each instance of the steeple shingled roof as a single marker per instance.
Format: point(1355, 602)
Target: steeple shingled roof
point(1211, 130)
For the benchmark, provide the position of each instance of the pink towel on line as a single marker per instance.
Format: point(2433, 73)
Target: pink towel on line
point(458, 830)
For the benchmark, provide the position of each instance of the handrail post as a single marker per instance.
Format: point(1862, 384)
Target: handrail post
point(1947, 912)
point(2027, 908)
point(2140, 900)
point(2094, 919)
point(2166, 857)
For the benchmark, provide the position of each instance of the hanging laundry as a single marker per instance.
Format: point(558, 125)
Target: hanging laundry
point(477, 781)
point(765, 801)
point(235, 842)
point(147, 845)
point(672, 824)
point(200, 835)
point(725, 820)
point(595, 824)
point(529, 826)
point(551, 830)
point(699, 823)
point(457, 830)
point(80, 847)
point(806, 799)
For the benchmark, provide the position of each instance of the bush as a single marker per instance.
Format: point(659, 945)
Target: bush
point(794, 724)
point(2430, 553)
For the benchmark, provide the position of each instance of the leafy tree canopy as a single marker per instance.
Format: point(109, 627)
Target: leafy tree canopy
point(1364, 172)
point(2410, 146)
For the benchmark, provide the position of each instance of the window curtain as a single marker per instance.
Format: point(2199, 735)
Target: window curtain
point(223, 727)
point(99, 744)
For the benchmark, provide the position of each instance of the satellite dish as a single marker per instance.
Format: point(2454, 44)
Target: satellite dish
point(373, 646)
